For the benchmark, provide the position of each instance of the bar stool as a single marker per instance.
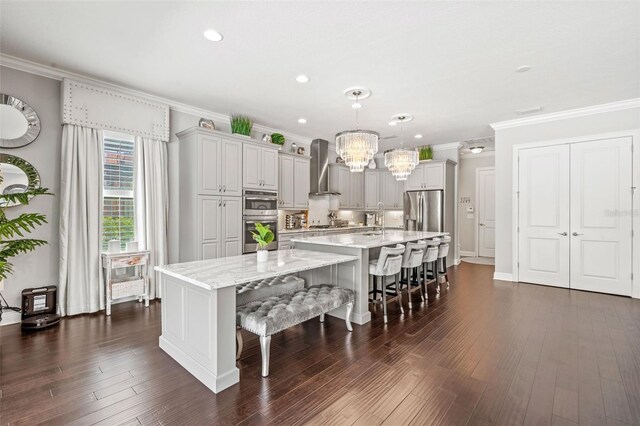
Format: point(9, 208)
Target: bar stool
point(389, 263)
point(430, 261)
point(443, 251)
point(411, 263)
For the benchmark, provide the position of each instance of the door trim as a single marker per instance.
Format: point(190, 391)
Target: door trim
point(635, 201)
point(477, 215)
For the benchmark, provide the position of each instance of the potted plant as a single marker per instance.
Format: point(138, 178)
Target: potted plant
point(263, 235)
point(426, 153)
point(13, 231)
point(241, 125)
point(277, 139)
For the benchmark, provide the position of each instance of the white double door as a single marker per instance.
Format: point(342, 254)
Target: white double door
point(574, 221)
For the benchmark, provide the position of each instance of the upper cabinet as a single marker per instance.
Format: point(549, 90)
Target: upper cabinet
point(372, 180)
point(428, 175)
point(214, 162)
point(293, 189)
point(259, 167)
point(391, 191)
point(349, 185)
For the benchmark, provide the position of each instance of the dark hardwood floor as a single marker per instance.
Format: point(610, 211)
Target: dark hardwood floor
point(484, 352)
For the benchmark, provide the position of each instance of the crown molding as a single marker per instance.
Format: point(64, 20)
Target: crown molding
point(446, 146)
point(571, 113)
point(60, 74)
point(471, 156)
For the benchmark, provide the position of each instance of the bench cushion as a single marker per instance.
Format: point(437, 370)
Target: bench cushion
point(260, 290)
point(278, 313)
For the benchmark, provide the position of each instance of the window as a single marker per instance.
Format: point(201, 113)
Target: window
point(118, 219)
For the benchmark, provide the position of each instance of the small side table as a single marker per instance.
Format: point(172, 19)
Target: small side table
point(136, 285)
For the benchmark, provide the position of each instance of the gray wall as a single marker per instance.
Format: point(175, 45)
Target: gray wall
point(467, 188)
point(507, 138)
point(40, 267)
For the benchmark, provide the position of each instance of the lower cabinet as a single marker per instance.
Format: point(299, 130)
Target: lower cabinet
point(219, 227)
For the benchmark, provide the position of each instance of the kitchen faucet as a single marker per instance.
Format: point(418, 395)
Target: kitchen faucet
point(380, 207)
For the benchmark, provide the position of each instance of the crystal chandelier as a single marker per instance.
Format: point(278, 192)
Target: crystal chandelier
point(357, 147)
point(401, 161)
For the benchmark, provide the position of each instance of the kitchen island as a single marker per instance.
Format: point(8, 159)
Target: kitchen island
point(199, 305)
point(363, 246)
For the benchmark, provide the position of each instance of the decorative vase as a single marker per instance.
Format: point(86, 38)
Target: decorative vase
point(263, 255)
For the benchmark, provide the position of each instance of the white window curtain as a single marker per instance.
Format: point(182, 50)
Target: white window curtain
point(152, 204)
point(80, 279)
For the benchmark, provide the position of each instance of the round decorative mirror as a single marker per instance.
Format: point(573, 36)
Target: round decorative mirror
point(18, 176)
point(20, 123)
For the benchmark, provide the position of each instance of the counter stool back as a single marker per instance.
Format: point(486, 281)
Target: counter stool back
point(389, 263)
point(411, 263)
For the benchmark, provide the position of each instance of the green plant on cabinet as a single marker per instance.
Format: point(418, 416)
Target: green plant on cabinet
point(277, 139)
point(425, 153)
point(241, 125)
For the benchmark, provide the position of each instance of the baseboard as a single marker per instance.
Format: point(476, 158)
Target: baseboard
point(10, 317)
point(467, 253)
point(502, 276)
point(456, 262)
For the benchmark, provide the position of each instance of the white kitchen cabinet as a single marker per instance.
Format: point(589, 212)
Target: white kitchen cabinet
point(259, 167)
point(426, 176)
point(372, 188)
point(220, 227)
point(356, 190)
point(217, 163)
point(339, 182)
point(391, 191)
point(286, 185)
point(293, 187)
point(301, 184)
point(210, 219)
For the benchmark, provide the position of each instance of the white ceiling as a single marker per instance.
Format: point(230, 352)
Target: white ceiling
point(449, 64)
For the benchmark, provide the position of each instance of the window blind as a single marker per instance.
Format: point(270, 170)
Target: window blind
point(118, 192)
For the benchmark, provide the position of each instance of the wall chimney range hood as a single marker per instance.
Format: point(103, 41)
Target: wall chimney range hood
point(319, 184)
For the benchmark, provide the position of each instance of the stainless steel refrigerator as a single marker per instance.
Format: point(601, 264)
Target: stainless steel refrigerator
point(424, 211)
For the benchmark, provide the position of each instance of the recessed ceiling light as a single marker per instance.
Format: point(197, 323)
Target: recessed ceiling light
point(356, 105)
point(302, 78)
point(523, 68)
point(418, 136)
point(476, 149)
point(213, 35)
point(393, 123)
point(302, 120)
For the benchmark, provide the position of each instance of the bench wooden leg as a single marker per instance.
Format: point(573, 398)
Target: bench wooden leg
point(238, 343)
point(265, 344)
point(347, 317)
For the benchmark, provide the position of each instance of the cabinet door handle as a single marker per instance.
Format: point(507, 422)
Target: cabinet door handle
point(219, 188)
point(224, 204)
point(224, 188)
point(575, 234)
point(219, 203)
point(564, 234)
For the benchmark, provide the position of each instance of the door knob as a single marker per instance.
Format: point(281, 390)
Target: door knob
point(481, 224)
point(564, 234)
point(575, 234)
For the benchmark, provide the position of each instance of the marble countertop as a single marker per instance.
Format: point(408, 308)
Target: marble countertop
point(364, 241)
point(230, 271)
point(341, 228)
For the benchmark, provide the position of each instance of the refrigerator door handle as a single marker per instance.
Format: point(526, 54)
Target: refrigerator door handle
point(420, 212)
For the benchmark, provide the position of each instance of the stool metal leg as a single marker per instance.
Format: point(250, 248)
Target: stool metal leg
point(436, 276)
point(265, 346)
point(238, 343)
point(347, 317)
point(400, 294)
point(409, 280)
point(321, 317)
point(384, 300)
point(420, 285)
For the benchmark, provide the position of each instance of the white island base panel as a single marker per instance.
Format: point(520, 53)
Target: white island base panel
point(194, 325)
point(199, 305)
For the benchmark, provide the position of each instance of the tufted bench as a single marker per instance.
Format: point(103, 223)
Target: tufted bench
point(277, 313)
point(261, 289)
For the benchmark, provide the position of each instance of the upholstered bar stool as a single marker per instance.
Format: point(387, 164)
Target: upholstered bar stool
point(443, 252)
point(411, 263)
point(430, 263)
point(388, 264)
